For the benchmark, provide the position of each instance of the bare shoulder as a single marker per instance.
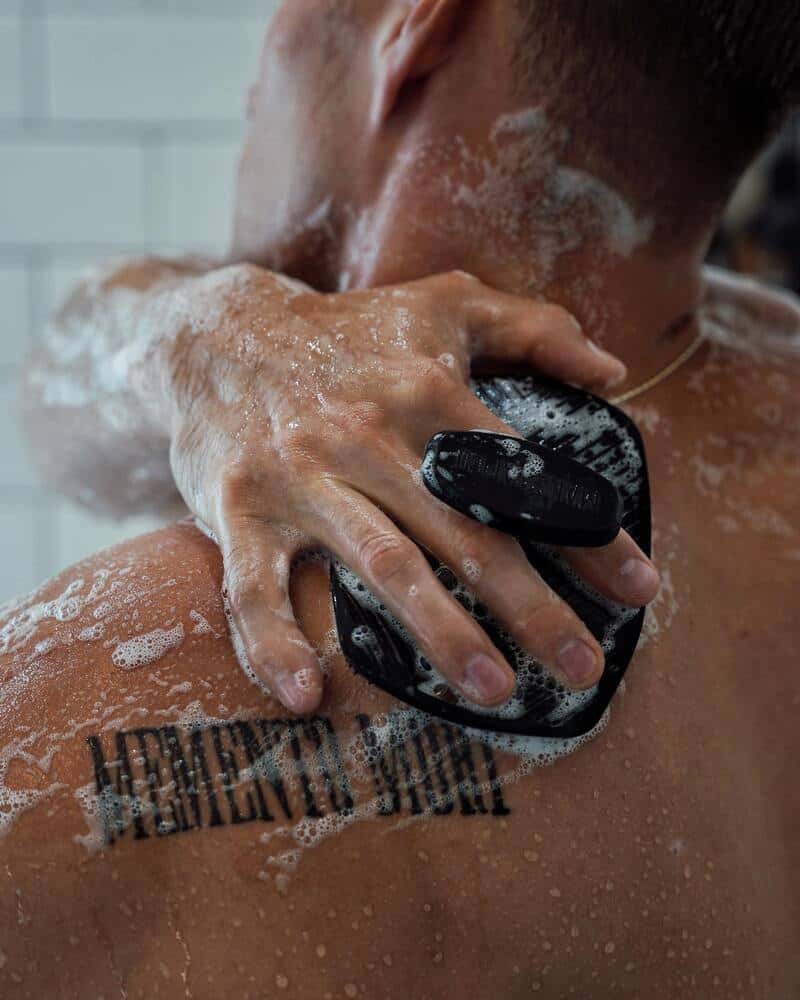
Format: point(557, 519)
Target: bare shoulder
point(112, 635)
point(129, 575)
point(114, 597)
point(754, 332)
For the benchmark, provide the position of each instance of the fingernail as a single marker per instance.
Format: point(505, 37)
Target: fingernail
point(640, 581)
point(575, 323)
point(305, 679)
point(619, 376)
point(485, 680)
point(578, 661)
point(620, 371)
point(292, 689)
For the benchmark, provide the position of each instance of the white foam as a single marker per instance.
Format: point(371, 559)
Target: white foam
point(16, 801)
point(480, 513)
point(92, 632)
point(567, 208)
point(201, 626)
point(510, 446)
point(149, 648)
point(472, 570)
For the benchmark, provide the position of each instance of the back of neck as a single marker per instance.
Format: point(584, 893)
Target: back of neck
point(521, 212)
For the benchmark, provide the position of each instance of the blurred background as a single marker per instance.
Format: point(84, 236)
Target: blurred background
point(119, 127)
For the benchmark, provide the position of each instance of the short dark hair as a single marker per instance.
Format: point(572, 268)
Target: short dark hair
point(743, 51)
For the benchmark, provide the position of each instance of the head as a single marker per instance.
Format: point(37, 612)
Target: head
point(393, 138)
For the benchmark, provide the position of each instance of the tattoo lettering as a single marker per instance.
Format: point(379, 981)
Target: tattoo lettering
point(155, 782)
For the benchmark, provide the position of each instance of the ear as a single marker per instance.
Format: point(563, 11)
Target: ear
point(421, 40)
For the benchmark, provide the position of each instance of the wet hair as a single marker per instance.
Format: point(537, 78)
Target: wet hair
point(741, 55)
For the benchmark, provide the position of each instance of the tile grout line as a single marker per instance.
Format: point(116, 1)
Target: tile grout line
point(115, 132)
point(35, 71)
point(38, 261)
point(154, 163)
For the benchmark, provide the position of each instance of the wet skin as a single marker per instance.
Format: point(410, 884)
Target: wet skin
point(658, 861)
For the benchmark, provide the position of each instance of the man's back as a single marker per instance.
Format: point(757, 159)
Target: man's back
point(231, 852)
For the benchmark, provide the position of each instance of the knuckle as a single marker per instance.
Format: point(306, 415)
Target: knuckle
point(298, 441)
point(422, 382)
point(473, 544)
point(300, 449)
point(463, 278)
point(557, 318)
point(385, 555)
point(544, 619)
point(365, 418)
point(480, 543)
point(436, 381)
point(243, 589)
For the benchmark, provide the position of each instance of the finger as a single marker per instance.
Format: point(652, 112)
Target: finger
point(619, 570)
point(496, 570)
point(437, 401)
point(257, 563)
point(395, 570)
point(540, 335)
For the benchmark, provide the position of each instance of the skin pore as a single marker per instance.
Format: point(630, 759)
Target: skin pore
point(654, 862)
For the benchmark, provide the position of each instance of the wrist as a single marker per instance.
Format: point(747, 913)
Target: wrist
point(193, 325)
point(183, 327)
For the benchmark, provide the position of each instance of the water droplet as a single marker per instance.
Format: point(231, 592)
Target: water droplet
point(281, 982)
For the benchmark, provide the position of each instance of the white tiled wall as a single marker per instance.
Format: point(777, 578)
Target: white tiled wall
point(10, 66)
point(119, 126)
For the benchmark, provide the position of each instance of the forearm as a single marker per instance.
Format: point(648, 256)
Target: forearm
point(97, 405)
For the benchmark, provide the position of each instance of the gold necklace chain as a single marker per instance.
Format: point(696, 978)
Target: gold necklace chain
point(673, 366)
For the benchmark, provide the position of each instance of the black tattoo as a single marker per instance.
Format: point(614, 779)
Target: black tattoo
point(154, 782)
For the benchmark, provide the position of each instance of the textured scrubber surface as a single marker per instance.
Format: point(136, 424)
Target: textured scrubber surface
point(574, 425)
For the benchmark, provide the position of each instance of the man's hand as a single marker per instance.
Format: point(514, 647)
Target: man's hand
point(298, 421)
